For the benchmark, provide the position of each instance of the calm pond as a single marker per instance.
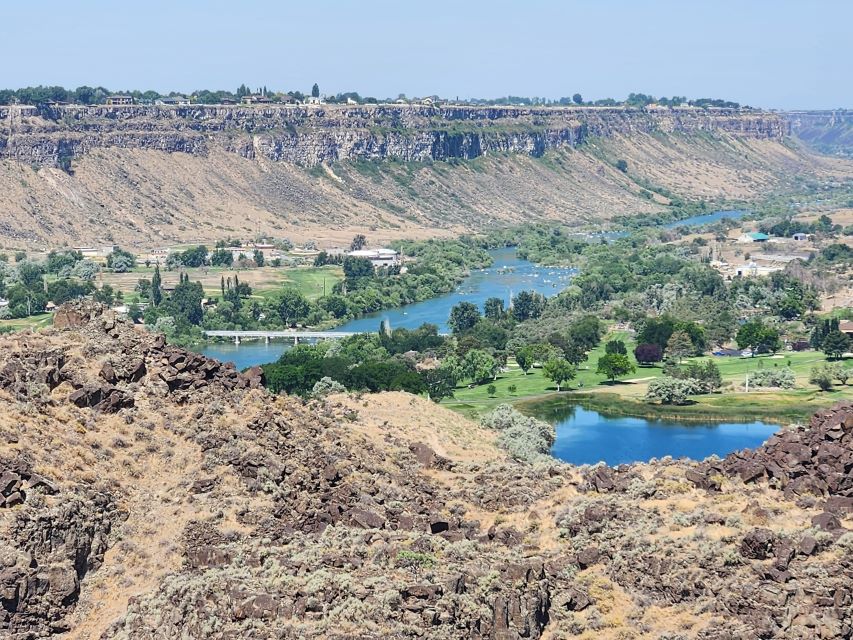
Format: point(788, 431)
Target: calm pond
point(586, 436)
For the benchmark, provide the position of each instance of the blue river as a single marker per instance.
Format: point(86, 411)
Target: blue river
point(583, 435)
point(504, 278)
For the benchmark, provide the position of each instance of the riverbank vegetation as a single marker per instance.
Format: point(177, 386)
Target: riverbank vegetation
point(651, 323)
point(327, 294)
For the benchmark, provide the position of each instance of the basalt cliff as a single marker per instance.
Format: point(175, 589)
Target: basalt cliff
point(148, 174)
point(150, 493)
point(308, 136)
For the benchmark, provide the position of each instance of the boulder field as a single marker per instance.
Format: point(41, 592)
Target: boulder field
point(149, 492)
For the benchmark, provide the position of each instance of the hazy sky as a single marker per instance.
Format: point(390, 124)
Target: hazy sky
point(770, 53)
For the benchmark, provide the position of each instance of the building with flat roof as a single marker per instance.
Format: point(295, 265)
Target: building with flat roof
point(179, 101)
point(119, 100)
point(378, 257)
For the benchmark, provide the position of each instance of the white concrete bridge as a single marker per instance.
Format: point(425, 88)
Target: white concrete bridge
point(294, 335)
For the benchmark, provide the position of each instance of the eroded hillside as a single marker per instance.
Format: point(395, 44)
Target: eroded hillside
point(149, 176)
point(152, 493)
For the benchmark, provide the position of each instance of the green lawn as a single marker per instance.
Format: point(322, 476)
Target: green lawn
point(35, 323)
point(312, 282)
point(265, 281)
point(626, 396)
point(477, 400)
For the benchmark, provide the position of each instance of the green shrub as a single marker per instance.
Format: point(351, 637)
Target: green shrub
point(524, 438)
point(782, 377)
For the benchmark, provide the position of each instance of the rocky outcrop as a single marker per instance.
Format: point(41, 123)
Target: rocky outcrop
point(811, 460)
point(52, 545)
point(308, 136)
point(205, 507)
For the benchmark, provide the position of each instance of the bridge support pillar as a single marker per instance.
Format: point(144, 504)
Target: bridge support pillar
point(295, 341)
point(266, 340)
point(237, 340)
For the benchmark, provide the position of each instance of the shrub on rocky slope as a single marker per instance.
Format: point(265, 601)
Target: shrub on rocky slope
point(201, 506)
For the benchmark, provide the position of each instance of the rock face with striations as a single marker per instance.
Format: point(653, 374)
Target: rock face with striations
point(308, 136)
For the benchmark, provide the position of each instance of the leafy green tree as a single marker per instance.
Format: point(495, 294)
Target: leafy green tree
point(679, 346)
point(493, 309)
point(258, 257)
point(835, 344)
point(821, 330)
point(336, 305)
point(586, 332)
point(527, 305)
point(30, 275)
point(63, 290)
point(615, 346)
point(59, 260)
point(490, 335)
point(185, 301)
point(525, 357)
point(479, 366)
point(559, 370)
point(440, 383)
point(221, 257)
point(358, 242)
point(292, 306)
point(491, 390)
point(789, 307)
point(356, 268)
point(615, 365)
point(622, 165)
point(463, 317)
point(121, 261)
point(757, 336)
point(193, 257)
point(721, 326)
point(577, 98)
point(107, 295)
point(25, 302)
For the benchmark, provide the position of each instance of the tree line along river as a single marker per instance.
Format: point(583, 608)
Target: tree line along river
point(583, 435)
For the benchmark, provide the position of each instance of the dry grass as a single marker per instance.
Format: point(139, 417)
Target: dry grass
point(144, 199)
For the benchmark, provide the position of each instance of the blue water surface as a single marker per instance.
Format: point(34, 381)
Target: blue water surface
point(507, 276)
point(585, 436)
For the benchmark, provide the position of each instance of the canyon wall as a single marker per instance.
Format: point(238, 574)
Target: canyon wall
point(311, 135)
point(827, 131)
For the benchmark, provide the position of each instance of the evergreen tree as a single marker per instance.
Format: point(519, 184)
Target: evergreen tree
point(835, 344)
point(156, 290)
point(315, 91)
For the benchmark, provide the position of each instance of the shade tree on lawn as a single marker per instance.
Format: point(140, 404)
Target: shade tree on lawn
point(615, 365)
point(559, 370)
point(758, 337)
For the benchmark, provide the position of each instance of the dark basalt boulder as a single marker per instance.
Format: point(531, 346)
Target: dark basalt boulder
point(816, 459)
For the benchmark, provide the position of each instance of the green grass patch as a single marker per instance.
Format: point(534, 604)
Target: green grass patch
point(772, 406)
point(312, 282)
point(36, 322)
